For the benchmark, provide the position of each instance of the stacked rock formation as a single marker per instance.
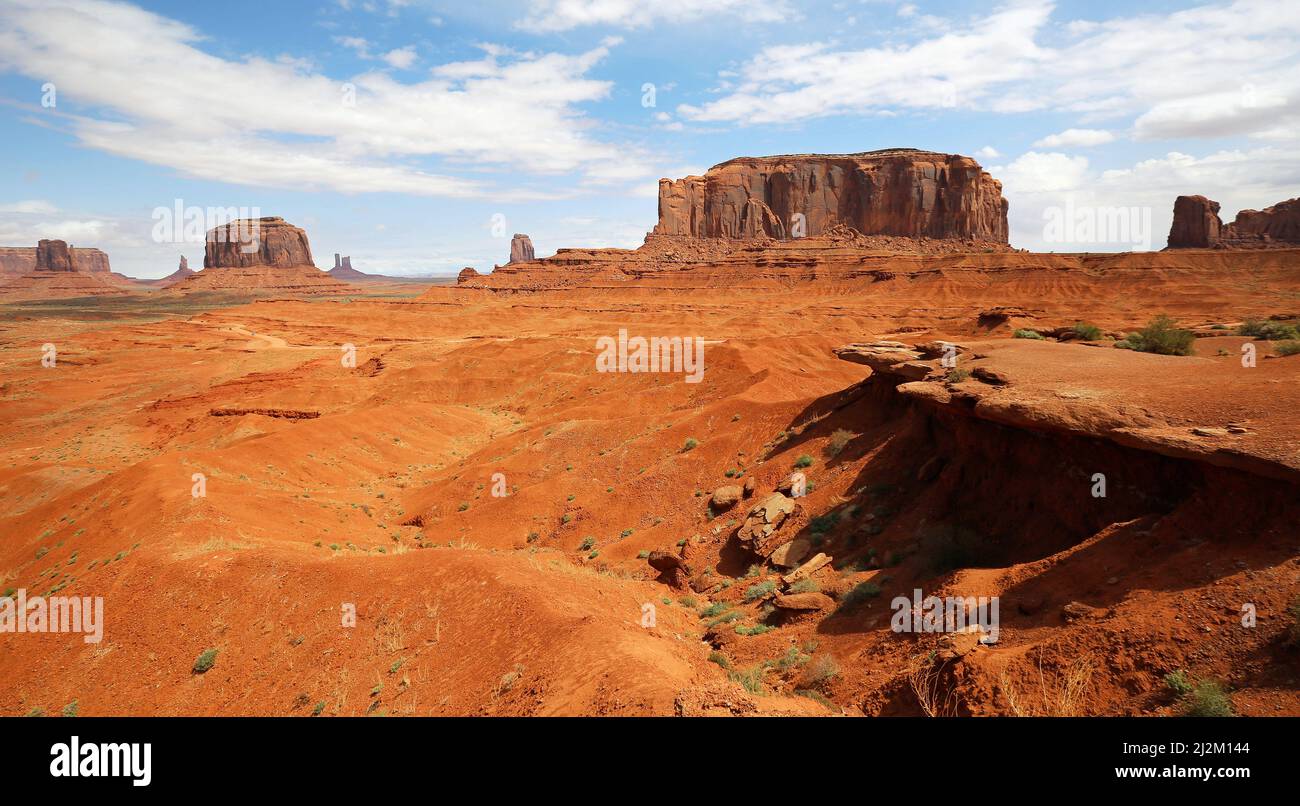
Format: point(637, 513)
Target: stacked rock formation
point(259, 255)
point(899, 192)
point(521, 249)
point(1197, 225)
point(58, 256)
point(55, 269)
point(269, 241)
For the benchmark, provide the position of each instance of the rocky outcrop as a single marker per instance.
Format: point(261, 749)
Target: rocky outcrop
point(1278, 224)
point(467, 274)
point(1196, 223)
point(521, 249)
point(22, 259)
point(343, 271)
point(897, 192)
point(246, 243)
point(54, 256)
point(184, 265)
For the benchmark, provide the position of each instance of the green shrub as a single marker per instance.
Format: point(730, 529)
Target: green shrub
point(1025, 333)
point(320, 706)
point(839, 439)
point(1285, 348)
point(803, 461)
point(819, 672)
point(1178, 683)
point(1269, 331)
point(70, 709)
point(1293, 630)
point(715, 609)
point(720, 659)
point(1086, 331)
point(1163, 337)
point(805, 586)
point(859, 594)
point(757, 629)
point(1208, 699)
point(755, 592)
point(464, 505)
point(725, 618)
point(823, 523)
point(751, 679)
point(958, 375)
point(206, 659)
point(691, 444)
point(588, 543)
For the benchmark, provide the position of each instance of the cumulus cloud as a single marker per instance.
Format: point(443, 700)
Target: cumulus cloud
point(143, 88)
point(1209, 71)
point(1076, 137)
point(1037, 184)
point(546, 16)
point(401, 58)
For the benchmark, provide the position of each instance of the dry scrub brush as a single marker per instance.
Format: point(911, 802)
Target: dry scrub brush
point(1058, 692)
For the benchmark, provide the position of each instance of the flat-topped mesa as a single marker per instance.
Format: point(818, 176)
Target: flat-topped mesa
point(898, 192)
point(1196, 225)
point(521, 249)
point(244, 243)
point(23, 259)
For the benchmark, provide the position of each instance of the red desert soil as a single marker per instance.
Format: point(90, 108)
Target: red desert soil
point(372, 485)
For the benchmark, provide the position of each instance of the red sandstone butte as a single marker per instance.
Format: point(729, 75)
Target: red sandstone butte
point(267, 241)
point(1196, 223)
point(900, 192)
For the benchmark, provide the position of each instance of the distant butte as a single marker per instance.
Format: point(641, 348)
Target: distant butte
point(895, 192)
point(521, 249)
point(1196, 225)
point(260, 255)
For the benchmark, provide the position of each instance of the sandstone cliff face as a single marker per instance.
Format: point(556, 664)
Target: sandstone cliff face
point(257, 242)
point(899, 192)
point(1279, 223)
point(17, 259)
point(1196, 225)
point(22, 259)
point(54, 256)
point(521, 249)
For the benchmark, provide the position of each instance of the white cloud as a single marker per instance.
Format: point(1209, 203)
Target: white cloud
point(29, 206)
point(159, 98)
point(1076, 137)
point(988, 152)
point(357, 44)
point(1214, 70)
point(1037, 182)
point(563, 15)
point(401, 58)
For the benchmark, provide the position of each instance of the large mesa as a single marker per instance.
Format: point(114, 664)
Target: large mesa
point(899, 192)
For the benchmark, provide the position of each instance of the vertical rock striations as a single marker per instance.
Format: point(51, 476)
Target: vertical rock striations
point(521, 249)
point(899, 192)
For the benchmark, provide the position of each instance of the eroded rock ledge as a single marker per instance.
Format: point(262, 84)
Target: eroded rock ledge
point(900, 192)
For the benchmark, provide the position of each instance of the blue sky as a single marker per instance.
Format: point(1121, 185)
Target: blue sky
point(418, 136)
